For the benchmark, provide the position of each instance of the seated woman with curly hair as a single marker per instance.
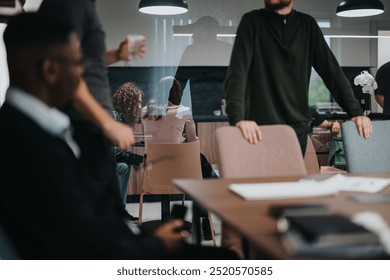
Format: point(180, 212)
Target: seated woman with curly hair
point(127, 107)
point(127, 103)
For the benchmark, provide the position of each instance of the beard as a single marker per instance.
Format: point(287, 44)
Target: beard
point(276, 6)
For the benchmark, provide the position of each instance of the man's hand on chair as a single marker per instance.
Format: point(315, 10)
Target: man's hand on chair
point(250, 131)
point(363, 125)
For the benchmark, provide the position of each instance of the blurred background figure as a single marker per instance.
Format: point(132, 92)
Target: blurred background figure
point(382, 94)
point(127, 109)
point(170, 122)
point(164, 118)
point(204, 48)
point(167, 121)
point(316, 120)
point(205, 45)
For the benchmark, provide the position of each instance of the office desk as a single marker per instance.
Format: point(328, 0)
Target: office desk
point(345, 116)
point(251, 218)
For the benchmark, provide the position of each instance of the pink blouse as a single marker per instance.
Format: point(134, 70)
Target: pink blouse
point(169, 129)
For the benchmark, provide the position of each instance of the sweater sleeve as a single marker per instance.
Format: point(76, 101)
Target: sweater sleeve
point(237, 72)
point(327, 66)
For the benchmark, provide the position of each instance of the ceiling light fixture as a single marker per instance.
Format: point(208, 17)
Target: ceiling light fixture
point(163, 7)
point(360, 8)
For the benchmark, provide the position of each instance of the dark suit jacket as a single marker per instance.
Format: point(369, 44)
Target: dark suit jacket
point(55, 206)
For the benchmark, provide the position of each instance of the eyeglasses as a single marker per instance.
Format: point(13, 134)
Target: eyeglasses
point(70, 61)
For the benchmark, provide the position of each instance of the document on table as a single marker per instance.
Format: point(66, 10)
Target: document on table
point(308, 187)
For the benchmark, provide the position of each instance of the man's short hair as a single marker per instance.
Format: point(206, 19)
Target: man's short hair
point(34, 30)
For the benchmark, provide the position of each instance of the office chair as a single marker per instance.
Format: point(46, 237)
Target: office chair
point(367, 155)
point(311, 162)
point(165, 162)
point(277, 154)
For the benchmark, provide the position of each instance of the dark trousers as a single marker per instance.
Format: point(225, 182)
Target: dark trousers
point(302, 138)
point(207, 170)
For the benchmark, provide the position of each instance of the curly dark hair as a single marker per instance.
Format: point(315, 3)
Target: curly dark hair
point(127, 102)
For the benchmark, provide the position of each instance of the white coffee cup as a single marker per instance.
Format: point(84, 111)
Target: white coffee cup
point(135, 45)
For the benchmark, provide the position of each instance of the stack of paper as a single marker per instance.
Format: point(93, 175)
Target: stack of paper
point(309, 188)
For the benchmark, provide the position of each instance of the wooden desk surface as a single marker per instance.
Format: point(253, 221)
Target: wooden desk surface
point(251, 218)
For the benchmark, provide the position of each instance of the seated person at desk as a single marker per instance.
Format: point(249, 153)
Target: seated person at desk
point(167, 121)
point(332, 144)
point(164, 118)
point(127, 106)
point(56, 210)
point(319, 121)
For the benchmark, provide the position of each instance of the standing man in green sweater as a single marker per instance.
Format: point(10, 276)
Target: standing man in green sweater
point(268, 78)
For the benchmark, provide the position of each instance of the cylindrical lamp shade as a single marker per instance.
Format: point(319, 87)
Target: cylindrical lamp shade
point(360, 8)
point(163, 7)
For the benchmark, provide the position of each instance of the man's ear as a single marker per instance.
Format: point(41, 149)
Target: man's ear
point(49, 70)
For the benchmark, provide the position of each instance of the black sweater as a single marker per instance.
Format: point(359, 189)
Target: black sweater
point(269, 73)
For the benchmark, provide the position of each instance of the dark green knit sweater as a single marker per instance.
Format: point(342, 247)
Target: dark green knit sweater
point(269, 73)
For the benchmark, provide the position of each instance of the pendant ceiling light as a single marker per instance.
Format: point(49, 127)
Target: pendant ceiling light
point(163, 7)
point(360, 8)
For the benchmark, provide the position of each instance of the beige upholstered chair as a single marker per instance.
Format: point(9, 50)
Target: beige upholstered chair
point(278, 154)
point(311, 162)
point(165, 162)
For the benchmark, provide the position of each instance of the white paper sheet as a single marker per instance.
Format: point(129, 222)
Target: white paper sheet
point(260, 191)
point(309, 188)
